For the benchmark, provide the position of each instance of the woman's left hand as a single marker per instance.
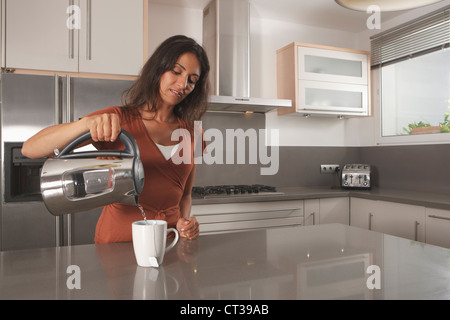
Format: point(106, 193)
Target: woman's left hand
point(188, 228)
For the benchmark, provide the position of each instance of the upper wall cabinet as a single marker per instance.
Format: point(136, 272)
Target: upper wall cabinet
point(323, 80)
point(92, 36)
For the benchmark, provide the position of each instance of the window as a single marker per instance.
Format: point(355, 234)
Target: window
point(415, 95)
point(414, 69)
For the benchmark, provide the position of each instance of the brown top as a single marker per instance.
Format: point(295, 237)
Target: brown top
point(164, 184)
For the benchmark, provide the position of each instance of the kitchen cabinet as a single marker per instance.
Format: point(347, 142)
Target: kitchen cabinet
point(437, 227)
point(92, 36)
point(323, 80)
point(312, 211)
point(327, 210)
point(361, 212)
point(402, 220)
point(218, 218)
point(334, 210)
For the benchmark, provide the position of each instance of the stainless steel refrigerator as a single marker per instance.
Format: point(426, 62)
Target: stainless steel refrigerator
point(30, 103)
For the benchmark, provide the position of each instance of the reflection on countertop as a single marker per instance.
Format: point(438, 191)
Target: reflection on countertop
point(330, 261)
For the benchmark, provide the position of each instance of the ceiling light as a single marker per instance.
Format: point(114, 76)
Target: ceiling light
point(385, 5)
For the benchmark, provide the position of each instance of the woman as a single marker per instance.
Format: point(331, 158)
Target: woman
point(169, 94)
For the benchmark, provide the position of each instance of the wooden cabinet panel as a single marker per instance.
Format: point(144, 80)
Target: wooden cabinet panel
point(323, 80)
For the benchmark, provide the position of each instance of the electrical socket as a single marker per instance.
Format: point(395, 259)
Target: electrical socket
point(329, 168)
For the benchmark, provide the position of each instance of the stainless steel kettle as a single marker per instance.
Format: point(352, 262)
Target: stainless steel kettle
point(78, 181)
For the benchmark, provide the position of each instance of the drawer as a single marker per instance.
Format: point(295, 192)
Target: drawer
point(220, 227)
point(245, 216)
point(248, 207)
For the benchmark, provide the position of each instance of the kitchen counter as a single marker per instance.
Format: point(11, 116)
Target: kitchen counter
point(429, 200)
point(330, 261)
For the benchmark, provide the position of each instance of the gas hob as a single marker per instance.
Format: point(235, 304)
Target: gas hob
point(234, 191)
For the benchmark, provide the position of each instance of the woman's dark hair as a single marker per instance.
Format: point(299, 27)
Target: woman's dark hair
point(146, 88)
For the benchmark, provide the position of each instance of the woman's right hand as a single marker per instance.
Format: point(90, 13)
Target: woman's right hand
point(103, 127)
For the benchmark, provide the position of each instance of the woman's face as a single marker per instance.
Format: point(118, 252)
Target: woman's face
point(178, 82)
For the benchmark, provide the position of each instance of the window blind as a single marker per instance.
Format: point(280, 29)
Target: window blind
point(422, 35)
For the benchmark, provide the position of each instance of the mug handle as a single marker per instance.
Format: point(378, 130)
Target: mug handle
point(174, 242)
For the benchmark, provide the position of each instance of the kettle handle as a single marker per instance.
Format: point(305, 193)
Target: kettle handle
point(131, 149)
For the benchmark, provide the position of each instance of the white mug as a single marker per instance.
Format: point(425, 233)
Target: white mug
point(149, 241)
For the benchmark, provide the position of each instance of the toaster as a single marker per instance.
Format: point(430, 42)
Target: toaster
point(356, 176)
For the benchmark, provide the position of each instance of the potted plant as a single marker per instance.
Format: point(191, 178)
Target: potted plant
point(424, 127)
point(421, 127)
point(445, 125)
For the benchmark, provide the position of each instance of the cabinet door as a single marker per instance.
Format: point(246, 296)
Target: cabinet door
point(312, 211)
point(401, 220)
point(334, 97)
point(438, 227)
point(397, 219)
point(111, 37)
point(332, 65)
point(334, 210)
point(361, 212)
point(37, 36)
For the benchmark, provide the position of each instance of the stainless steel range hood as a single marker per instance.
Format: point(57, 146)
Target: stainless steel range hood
point(226, 39)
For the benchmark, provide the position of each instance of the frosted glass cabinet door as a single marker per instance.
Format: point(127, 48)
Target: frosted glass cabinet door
point(332, 65)
point(37, 36)
point(338, 97)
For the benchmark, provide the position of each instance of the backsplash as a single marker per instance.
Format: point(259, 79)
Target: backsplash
point(419, 167)
point(416, 168)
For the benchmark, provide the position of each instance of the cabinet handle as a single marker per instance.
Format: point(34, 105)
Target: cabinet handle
point(66, 115)
point(438, 217)
point(71, 33)
point(370, 220)
point(68, 118)
point(58, 230)
point(416, 230)
point(57, 109)
point(314, 217)
point(89, 30)
point(256, 211)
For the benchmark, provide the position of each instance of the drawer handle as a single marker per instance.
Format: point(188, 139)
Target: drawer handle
point(273, 210)
point(438, 217)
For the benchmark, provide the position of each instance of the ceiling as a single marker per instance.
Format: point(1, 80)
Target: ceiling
point(320, 13)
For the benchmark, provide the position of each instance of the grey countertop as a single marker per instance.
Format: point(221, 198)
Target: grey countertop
point(430, 200)
point(330, 261)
